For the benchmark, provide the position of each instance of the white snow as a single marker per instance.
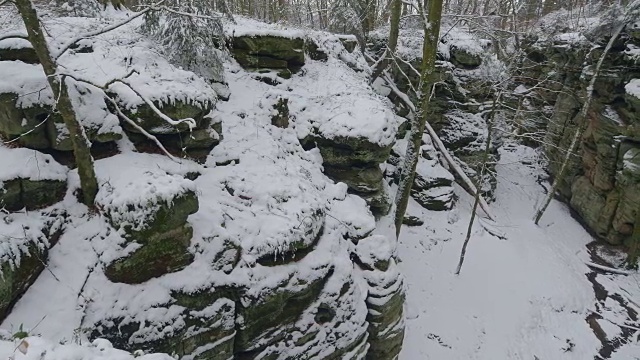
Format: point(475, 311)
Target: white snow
point(133, 186)
point(245, 26)
point(123, 54)
point(15, 43)
point(22, 163)
point(631, 160)
point(37, 348)
point(525, 297)
point(633, 88)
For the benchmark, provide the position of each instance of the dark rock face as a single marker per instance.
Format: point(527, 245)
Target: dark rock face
point(28, 194)
point(20, 272)
point(291, 51)
point(356, 162)
point(602, 183)
point(18, 50)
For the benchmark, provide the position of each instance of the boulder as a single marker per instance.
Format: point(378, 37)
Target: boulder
point(26, 256)
point(17, 194)
point(432, 186)
point(350, 43)
point(464, 59)
point(38, 194)
point(248, 60)
point(18, 49)
point(15, 122)
point(344, 152)
point(202, 330)
point(359, 179)
point(163, 253)
point(436, 199)
point(290, 50)
point(412, 221)
point(167, 216)
point(11, 195)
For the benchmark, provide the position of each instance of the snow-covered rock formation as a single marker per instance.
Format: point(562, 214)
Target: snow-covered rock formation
point(256, 240)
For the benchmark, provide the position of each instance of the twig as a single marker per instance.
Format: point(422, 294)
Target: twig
point(126, 118)
point(189, 121)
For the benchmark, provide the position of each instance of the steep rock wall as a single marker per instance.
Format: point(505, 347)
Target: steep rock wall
point(603, 181)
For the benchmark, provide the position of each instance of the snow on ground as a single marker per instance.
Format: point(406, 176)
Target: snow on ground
point(633, 88)
point(526, 297)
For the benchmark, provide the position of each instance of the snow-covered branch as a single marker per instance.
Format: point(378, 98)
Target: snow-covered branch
point(122, 115)
point(191, 123)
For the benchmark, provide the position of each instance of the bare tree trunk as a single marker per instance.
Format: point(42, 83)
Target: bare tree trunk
point(634, 249)
point(392, 42)
point(476, 201)
point(581, 120)
point(84, 161)
point(429, 52)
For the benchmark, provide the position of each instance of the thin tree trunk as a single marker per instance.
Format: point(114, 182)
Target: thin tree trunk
point(429, 52)
point(81, 151)
point(392, 42)
point(476, 201)
point(634, 249)
point(581, 121)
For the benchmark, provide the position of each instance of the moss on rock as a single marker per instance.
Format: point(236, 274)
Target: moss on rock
point(40, 194)
point(275, 311)
point(11, 195)
point(165, 253)
point(290, 50)
point(360, 179)
point(345, 152)
point(15, 280)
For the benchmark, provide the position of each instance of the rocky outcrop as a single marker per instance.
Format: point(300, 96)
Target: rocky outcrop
point(152, 218)
point(181, 121)
point(458, 96)
point(385, 298)
point(601, 184)
point(30, 180)
point(241, 261)
point(356, 162)
point(432, 186)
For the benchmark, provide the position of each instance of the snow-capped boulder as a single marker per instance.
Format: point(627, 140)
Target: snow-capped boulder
point(30, 179)
point(150, 208)
point(432, 186)
point(18, 49)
